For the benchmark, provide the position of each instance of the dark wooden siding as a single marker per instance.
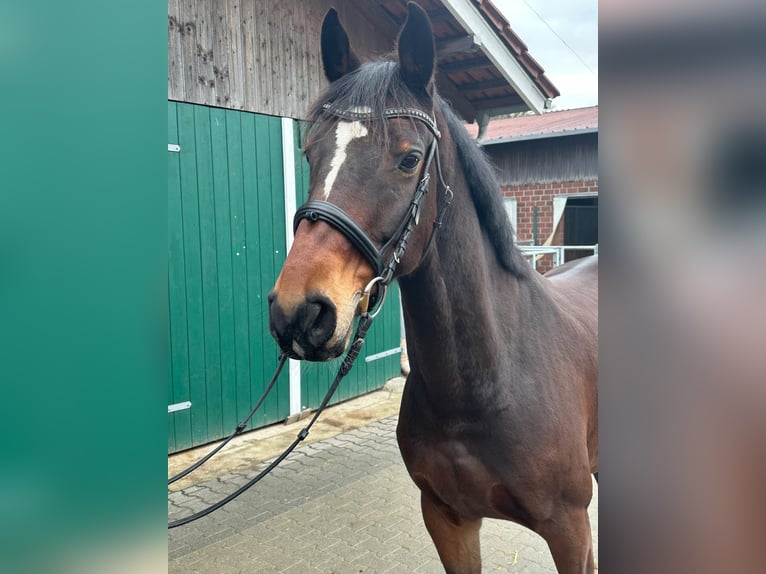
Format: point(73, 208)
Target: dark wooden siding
point(261, 55)
point(569, 158)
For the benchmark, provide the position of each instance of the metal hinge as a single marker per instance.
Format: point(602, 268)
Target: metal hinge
point(174, 148)
point(179, 407)
point(382, 355)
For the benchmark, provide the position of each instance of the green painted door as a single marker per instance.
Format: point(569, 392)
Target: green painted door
point(226, 236)
point(226, 246)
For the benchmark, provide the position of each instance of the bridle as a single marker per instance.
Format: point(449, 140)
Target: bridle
point(319, 210)
point(371, 302)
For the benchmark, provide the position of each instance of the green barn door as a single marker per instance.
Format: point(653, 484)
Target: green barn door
point(226, 240)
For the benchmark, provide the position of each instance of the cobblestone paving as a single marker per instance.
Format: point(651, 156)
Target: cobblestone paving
point(339, 506)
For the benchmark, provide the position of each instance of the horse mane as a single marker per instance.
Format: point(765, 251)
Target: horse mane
point(485, 192)
point(378, 85)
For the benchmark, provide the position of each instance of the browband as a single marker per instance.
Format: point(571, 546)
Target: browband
point(387, 113)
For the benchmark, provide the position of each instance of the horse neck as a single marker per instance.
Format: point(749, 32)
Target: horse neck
point(462, 310)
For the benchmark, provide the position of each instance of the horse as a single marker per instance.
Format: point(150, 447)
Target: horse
point(498, 415)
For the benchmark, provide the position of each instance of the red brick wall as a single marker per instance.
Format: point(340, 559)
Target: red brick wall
point(541, 195)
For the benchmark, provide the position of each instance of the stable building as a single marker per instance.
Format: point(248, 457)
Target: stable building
point(547, 166)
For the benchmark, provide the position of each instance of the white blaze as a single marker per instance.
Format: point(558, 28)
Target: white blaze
point(344, 133)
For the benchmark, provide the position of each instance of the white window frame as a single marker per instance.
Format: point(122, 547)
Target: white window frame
point(511, 208)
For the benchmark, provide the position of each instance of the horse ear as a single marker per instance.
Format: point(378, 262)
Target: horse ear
point(417, 55)
point(337, 57)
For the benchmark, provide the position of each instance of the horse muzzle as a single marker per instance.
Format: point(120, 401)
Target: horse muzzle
point(307, 329)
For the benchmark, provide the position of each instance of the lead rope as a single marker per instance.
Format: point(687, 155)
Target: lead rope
point(240, 427)
point(365, 320)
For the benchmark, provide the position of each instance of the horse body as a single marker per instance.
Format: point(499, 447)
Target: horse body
point(498, 416)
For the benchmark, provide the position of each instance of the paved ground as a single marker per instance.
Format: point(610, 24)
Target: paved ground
point(340, 505)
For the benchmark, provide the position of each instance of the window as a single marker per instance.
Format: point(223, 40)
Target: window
point(581, 221)
point(580, 225)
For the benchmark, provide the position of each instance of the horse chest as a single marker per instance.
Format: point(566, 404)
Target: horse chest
point(475, 485)
point(452, 470)
point(471, 468)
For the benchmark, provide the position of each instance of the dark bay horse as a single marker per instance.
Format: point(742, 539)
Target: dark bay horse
point(499, 412)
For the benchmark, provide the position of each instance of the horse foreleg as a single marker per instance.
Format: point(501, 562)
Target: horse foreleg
point(456, 538)
point(568, 536)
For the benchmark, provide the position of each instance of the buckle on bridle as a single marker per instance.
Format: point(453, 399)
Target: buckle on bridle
point(364, 302)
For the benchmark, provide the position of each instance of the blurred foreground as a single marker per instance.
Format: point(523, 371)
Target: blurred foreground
point(683, 320)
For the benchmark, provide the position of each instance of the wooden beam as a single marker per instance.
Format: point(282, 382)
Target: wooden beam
point(465, 65)
point(501, 102)
point(440, 15)
point(485, 85)
point(450, 92)
point(460, 45)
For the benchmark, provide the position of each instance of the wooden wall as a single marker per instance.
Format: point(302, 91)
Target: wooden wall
point(261, 55)
point(570, 158)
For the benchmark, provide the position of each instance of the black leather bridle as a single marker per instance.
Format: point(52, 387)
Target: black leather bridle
point(318, 210)
point(315, 210)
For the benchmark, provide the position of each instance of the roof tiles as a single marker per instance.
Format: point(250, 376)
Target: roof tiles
point(551, 123)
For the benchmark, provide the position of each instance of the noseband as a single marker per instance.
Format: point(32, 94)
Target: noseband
point(318, 210)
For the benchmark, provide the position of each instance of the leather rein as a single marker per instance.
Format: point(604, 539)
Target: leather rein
point(316, 210)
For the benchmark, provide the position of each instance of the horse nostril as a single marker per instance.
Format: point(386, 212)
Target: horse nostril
point(320, 320)
point(279, 322)
point(308, 325)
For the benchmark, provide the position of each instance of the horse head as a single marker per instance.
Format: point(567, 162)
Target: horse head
point(369, 148)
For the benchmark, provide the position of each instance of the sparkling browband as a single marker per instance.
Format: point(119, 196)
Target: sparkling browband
point(387, 113)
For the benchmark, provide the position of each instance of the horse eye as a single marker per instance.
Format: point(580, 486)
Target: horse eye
point(410, 162)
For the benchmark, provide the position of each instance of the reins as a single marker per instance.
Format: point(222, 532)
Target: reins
point(240, 427)
point(365, 320)
point(370, 302)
